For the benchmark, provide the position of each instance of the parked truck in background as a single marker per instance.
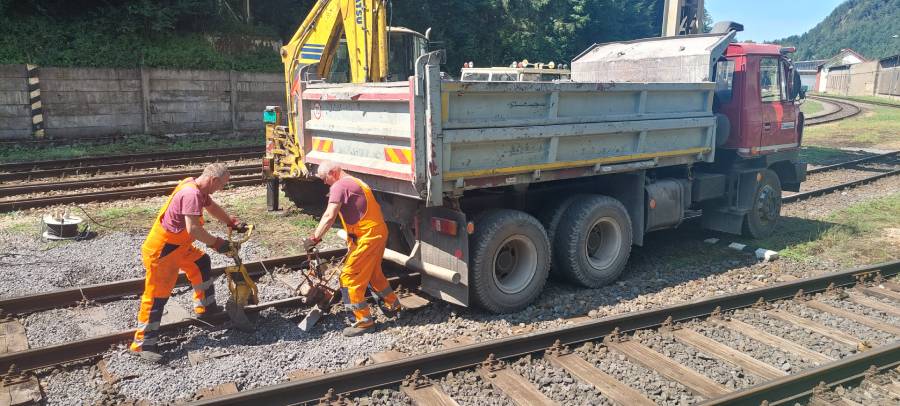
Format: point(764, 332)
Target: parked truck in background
point(490, 186)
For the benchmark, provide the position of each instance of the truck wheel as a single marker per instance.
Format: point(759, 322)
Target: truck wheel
point(510, 260)
point(595, 246)
point(550, 218)
point(762, 218)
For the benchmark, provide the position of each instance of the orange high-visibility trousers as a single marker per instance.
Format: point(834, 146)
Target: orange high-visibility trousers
point(366, 242)
point(163, 254)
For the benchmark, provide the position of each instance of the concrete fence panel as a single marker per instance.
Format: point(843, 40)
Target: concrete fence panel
point(15, 113)
point(79, 102)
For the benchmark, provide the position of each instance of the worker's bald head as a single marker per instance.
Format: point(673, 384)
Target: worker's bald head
point(329, 171)
point(214, 177)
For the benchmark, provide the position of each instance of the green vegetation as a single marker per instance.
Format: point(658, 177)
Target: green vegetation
point(133, 144)
point(876, 128)
point(866, 26)
point(862, 233)
point(811, 107)
point(176, 33)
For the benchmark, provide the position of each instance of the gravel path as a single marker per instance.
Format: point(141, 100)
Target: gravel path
point(40, 266)
point(468, 389)
point(650, 383)
point(250, 360)
point(80, 386)
point(729, 376)
point(556, 383)
point(863, 310)
point(806, 338)
point(822, 206)
point(857, 330)
point(787, 362)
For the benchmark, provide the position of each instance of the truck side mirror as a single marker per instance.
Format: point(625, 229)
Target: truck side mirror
point(797, 88)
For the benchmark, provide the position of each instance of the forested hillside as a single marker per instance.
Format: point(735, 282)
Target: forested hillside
point(206, 34)
point(866, 26)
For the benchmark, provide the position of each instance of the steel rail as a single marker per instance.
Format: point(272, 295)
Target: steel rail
point(851, 99)
point(98, 160)
point(130, 180)
point(109, 195)
point(130, 287)
point(846, 110)
point(851, 163)
point(389, 373)
point(799, 387)
point(819, 192)
point(125, 166)
point(53, 355)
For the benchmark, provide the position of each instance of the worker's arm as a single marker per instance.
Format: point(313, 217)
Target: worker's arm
point(196, 230)
point(331, 213)
point(219, 213)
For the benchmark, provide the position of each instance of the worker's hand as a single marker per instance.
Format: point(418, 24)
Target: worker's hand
point(310, 242)
point(237, 225)
point(221, 246)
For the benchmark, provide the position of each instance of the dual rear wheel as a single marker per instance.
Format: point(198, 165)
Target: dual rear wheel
point(587, 237)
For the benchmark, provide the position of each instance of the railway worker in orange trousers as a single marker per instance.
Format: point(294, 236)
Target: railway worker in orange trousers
point(169, 248)
point(352, 201)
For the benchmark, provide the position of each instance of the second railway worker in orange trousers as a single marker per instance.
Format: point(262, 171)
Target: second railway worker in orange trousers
point(169, 248)
point(353, 202)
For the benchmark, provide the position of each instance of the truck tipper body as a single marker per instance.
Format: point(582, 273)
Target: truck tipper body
point(490, 186)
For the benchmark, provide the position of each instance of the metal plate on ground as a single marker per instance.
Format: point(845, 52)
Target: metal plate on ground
point(412, 301)
point(12, 337)
point(217, 391)
point(22, 391)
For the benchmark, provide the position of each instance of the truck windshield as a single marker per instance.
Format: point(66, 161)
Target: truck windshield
point(769, 80)
point(475, 77)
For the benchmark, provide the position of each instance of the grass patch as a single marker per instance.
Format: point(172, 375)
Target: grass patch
point(810, 107)
point(856, 235)
point(134, 144)
point(877, 128)
point(827, 156)
point(863, 99)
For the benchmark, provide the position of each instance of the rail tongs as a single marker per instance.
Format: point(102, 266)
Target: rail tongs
point(243, 289)
point(316, 289)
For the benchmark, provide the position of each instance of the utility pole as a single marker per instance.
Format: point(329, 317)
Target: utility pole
point(247, 8)
point(682, 17)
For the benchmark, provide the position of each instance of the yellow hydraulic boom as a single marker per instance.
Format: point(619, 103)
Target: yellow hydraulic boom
point(362, 22)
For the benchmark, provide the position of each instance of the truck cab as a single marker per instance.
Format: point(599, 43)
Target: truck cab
point(763, 113)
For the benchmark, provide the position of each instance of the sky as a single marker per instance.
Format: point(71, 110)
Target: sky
point(766, 20)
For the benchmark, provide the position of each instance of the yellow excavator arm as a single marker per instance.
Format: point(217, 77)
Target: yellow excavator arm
point(362, 22)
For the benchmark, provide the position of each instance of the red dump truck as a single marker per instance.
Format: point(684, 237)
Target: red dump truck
point(488, 187)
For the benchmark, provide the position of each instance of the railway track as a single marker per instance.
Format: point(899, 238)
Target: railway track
point(30, 171)
point(113, 194)
point(890, 167)
point(495, 360)
point(492, 360)
point(872, 102)
point(844, 110)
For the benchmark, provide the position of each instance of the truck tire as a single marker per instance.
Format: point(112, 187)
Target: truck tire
point(550, 217)
point(510, 260)
point(761, 220)
point(597, 242)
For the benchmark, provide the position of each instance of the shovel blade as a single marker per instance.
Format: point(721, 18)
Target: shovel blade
point(311, 318)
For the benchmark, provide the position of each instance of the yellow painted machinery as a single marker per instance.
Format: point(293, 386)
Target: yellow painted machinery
point(243, 289)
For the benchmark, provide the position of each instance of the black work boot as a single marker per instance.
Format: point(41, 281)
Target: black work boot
point(358, 329)
point(149, 354)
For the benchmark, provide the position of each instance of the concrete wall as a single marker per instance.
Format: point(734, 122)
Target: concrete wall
point(862, 79)
point(15, 109)
point(80, 102)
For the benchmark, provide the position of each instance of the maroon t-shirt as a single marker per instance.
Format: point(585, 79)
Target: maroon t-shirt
point(188, 201)
point(351, 197)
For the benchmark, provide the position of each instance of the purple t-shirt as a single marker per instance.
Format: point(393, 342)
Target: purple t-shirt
point(351, 197)
point(188, 201)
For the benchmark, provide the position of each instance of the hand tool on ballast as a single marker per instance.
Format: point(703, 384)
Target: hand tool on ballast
point(243, 289)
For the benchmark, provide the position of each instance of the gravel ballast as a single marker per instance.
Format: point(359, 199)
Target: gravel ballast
point(799, 335)
point(857, 330)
